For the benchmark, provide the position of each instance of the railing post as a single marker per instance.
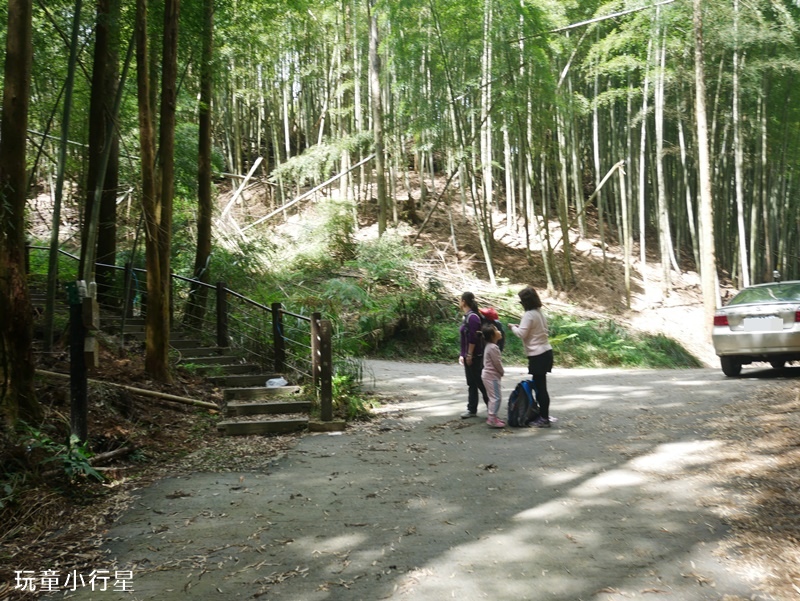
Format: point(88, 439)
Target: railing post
point(315, 317)
point(326, 370)
point(278, 339)
point(222, 315)
point(28, 258)
point(171, 301)
point(128, 294)
point(78, 381)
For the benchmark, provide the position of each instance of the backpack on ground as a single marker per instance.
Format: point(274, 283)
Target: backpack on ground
point(489, 315)
point(522, 405)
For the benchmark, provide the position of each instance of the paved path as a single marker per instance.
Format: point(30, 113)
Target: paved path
point(610, 504)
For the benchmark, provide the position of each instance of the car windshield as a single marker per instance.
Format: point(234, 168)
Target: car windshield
point(786, 292)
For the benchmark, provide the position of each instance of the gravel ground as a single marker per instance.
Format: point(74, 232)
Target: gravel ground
point(623, 498)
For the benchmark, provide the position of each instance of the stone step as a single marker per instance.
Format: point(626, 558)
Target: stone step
point(233, 368)
point(215, 360)
point(271, 408)
point(257, 393)
point(242, 381)
point(201, 351)
point(185, 344)
point(140, 335)
point(276, 426)
point(115, 321)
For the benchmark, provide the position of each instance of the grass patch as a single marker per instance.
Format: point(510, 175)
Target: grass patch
point(576, 343)
point(593, 343)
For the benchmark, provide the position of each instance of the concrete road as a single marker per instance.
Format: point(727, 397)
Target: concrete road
point(616, 502)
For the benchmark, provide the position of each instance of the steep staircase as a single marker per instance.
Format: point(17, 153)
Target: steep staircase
point(250, 406)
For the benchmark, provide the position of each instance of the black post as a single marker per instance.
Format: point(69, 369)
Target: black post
point(315, 317)
point(278, 337)
point(128, 294)
point(78, 380)
point(222, 316)
point(326, 370)
point(171, 301)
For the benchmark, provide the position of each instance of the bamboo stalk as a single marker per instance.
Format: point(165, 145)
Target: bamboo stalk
point(139, 391)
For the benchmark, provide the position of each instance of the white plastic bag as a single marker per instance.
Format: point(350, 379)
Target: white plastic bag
point(276, 383)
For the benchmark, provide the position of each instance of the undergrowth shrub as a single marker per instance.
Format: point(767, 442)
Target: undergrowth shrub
point(71, 458)
point(591, 343)
point(386, 260)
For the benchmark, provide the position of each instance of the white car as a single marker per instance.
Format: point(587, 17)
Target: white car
point(760, 323)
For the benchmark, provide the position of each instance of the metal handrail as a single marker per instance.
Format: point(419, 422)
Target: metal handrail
point(320, 332)
point(193, 281)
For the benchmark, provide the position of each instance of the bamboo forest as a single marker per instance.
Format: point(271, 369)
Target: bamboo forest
point(668, 126)
point(250, 239)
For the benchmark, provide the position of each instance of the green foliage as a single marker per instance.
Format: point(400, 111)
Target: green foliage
point(72, 458)
point(338, 229)
point(591, 343)
point(318, 162)
point(11, 485)
point(348, 400)
point(387, 260)
point(577, 343)
point(186, 152)
point(39, 262)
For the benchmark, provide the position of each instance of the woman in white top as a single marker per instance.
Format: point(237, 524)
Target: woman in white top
point(533, 331)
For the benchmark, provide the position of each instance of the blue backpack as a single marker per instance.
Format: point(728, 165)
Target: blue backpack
point(522, 405)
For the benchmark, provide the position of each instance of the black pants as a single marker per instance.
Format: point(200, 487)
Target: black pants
point(538, 367)
point(542, 396)
point(475, 383)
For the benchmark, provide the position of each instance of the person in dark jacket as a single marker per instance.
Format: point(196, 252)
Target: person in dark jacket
point(471, 356)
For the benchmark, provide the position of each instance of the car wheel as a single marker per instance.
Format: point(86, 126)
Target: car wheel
point(731, 366)
point(778, 364)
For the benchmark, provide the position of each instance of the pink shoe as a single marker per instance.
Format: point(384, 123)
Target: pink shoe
point(495, 422)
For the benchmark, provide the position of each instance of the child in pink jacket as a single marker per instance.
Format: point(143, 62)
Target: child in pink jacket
point(492, 373)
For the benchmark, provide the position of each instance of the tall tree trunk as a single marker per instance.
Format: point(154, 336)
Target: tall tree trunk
point(688, 191)
point(17, 392)
point(104, 88)
point(643, 171)
point(166, 179)
point(708, 274)
point(563, 200)
point(52, 271)
point(739, 154)
point(157, 316)
point(767, 263)
point(627, 240)
point(486, 117)
point(377, 116)
point(597, 167)
point(198, 294)
point(575, 160)
point(511, 216)
point(664, 230)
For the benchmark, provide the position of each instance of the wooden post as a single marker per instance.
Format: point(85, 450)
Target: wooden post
point(326, 370)
point(28, 258)
point(222, 316)
point(278, 338)
point(315, 317)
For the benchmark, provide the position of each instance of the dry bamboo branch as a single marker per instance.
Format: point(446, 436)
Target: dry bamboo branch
point(102, 458)
point(139, 391)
